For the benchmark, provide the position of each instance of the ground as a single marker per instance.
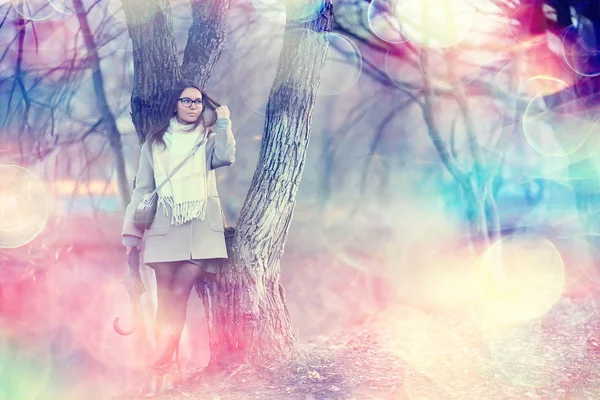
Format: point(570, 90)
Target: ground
point(421, 338)
point(556, 357)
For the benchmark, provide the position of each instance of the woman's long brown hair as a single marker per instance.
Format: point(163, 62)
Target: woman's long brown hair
point(156, 132)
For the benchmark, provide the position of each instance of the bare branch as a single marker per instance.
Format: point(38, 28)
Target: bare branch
point(379, 134)
point(463, 105)
point(114, 136)
point(19, 75)
point(434, 134)
point(5, 16)
point(359, 112)
point(453, 140)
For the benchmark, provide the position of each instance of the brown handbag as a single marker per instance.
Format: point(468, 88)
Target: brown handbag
point(145, 212)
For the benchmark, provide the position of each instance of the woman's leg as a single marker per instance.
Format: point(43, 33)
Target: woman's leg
point(166, 340)
point(183, 281)
point(174, 282)
point(165, 274)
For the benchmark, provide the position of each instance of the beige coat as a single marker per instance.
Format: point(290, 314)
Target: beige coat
point(195, 239)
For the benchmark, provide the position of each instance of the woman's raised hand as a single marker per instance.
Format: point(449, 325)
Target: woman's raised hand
point(222, 112)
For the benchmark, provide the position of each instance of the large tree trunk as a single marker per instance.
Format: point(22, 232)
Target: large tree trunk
point(155, 59)
point(155, 67)
point(205, 40)
point(108, 119)
point(155, 53)
point(248, 318)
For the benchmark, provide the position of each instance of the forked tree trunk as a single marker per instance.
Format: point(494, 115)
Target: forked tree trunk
point(248, 318)
point(155, 59)
point(205, 40)
point(155, 53)
point(155, 67)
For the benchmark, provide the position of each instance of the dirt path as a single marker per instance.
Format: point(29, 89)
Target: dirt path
point(406, 354)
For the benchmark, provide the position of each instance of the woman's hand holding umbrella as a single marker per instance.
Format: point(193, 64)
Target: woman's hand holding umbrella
point(134, 286)
point(133, 281)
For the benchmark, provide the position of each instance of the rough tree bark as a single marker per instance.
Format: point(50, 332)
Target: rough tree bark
point(248, 318)
point(155, 67)
point(108, 119)
point(205, 40)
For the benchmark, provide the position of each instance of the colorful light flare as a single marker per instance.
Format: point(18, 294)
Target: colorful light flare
point(24, 206)
point(520, 277)
point(435, 23)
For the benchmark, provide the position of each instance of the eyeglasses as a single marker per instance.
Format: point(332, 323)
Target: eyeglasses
point(187, 102)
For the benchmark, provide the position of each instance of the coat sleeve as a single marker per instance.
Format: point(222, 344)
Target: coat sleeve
point(144, 181)
point(223, 153)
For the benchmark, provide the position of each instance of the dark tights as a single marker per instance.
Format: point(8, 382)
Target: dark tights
point(174, 283)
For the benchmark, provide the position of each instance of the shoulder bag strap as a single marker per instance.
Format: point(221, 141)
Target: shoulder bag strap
point(196, 147)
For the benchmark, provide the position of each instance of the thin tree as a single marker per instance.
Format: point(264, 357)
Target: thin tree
point(108, 118)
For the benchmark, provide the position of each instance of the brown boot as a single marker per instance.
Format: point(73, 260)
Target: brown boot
point(174, 377)
point(154, 384)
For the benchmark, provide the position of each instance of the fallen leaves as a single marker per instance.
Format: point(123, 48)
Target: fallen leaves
point(314, 375)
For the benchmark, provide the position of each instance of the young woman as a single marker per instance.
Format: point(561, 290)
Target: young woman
point(187, 232)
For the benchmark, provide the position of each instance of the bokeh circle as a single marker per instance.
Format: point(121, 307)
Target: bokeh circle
point(436, 23)
point(519, 278)
point(555, 130)
point(24, 206)
point(343, 65)
point(384, 22)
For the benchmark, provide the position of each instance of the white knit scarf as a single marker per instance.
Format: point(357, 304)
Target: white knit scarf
point(186, 191)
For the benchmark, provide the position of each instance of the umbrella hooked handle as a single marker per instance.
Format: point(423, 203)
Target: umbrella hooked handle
point(134, 315)
point(133, 259)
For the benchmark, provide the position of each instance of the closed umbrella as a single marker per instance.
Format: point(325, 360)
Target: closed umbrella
point(133, 260)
